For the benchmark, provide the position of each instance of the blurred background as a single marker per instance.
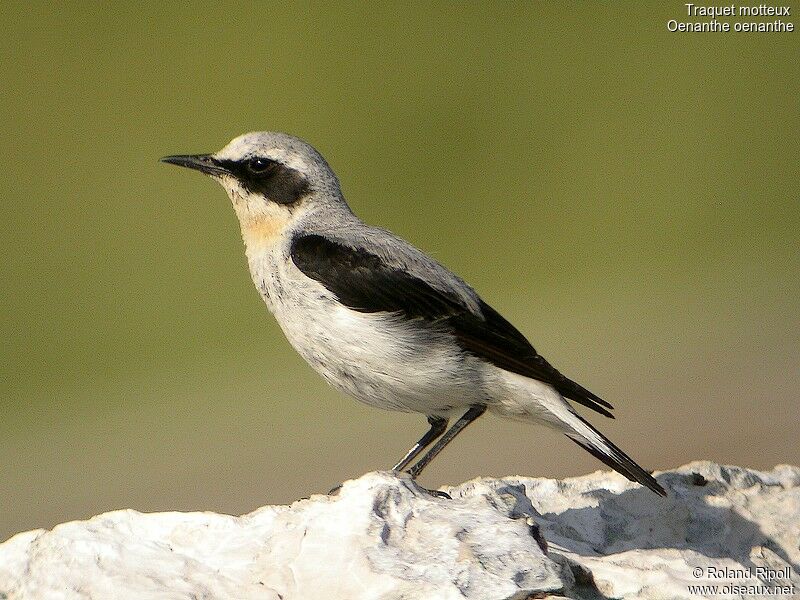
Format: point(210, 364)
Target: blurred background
point(626, 196)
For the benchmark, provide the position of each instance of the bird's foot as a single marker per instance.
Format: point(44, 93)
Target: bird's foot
point(434, 493)
point(437, 493)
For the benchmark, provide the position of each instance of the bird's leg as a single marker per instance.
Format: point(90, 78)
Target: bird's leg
point(468, 417)
point(438, 425)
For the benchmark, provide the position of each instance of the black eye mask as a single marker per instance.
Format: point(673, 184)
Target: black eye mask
point(279, 183)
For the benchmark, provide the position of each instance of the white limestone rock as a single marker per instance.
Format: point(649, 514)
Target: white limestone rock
point(720, 525)
point(382, 537)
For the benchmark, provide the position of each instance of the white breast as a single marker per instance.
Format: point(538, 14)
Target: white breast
point(378, 358)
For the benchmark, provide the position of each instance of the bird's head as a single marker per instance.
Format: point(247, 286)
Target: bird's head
point(271, 179)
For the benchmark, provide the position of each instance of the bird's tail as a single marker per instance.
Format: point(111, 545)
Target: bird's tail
point(533, 401)
point(587, 437)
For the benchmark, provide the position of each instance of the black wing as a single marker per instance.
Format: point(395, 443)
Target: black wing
point(364, 282)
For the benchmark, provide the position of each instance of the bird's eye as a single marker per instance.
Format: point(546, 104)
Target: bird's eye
point(259, 166)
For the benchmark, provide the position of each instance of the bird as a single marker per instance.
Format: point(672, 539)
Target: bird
point(379, 319)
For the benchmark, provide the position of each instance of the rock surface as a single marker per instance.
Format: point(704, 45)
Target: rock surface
point(382, 537)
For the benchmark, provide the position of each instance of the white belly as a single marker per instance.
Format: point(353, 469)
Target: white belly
point(378, 358)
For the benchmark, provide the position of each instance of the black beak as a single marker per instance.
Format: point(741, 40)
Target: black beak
point(204, 163)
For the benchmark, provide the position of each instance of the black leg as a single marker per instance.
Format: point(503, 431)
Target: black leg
point(438, 425)
point(467, 418)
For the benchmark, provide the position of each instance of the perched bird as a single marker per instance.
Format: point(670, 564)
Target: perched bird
point(379, 319)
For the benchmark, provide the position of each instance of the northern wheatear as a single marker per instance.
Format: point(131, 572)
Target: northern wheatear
point(379, 319)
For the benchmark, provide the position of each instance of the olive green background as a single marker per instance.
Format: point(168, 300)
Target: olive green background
point(628, 197)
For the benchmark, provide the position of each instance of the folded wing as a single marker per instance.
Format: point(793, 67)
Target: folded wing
point(366, 282)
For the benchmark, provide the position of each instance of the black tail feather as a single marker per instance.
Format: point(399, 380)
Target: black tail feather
point(619, 461)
